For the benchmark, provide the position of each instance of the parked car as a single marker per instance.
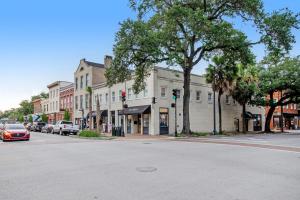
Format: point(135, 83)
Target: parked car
point(38, 126)
point(1, 127)
point(14, 132)
point(47, 128)
point(65, 127)
point(28, 126)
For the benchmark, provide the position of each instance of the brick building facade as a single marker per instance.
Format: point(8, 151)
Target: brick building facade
point(290, 115)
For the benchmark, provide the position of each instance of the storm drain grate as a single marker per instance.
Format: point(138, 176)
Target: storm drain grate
point(146, 169)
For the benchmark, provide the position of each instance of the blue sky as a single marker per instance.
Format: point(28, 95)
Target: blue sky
point(43, 41)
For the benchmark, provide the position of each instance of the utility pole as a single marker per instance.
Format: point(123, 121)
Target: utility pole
point(214, 101)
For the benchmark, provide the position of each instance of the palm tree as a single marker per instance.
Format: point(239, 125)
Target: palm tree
point(245, 87)
point(89, 90)
point(221, 75)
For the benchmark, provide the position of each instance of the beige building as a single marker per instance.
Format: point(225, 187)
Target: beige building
point(150, 111)
point(54, 99)
point(86, 75)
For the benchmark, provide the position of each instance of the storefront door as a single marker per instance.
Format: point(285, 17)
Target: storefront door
point(164, 121)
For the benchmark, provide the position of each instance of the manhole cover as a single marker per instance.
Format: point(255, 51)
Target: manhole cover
point(146, 169)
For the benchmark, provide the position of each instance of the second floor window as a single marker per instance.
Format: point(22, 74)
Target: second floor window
point(106, 98)
point(76, 83)
point(163, 91)
point(81, 82)
point(113, 96)
point(120, 95)
point(81, 102)
point(146, 92)
point(129, 93)
point(198, 95)
point(209, 97)
point(86, 80)
point(227, 101)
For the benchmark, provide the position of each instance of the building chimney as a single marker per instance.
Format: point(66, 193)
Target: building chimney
point(107, 61)
point(82, 60)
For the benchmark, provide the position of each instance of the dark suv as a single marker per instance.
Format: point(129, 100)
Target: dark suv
point(38, 127)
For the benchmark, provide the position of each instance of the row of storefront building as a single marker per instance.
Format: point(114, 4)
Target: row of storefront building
point(150, 111)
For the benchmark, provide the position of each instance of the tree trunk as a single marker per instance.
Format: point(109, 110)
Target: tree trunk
point(90, 111)
point(268, 119)
point(186, 102)
point(244, 118)
point(220, 112)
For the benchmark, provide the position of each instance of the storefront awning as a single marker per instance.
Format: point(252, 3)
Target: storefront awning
point(136, 110)
point(249, 115)
point(103, 113)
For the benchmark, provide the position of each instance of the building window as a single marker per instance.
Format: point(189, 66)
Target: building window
point(76, 83)
point(106, 98)
point(81, 102)
point(87, 80)
point(57, 92)
point(129, 93)
point(198, 95)
point(178, 94)
point(81, 82)
point(113, 96)
point(120, 95)
point(76, 102)
point(100, 98)
point(234, 102)
point(227, 101)
point(56, 105)
point(146, 92)
point(86, 101)
point(209, 97)
point(163, 91)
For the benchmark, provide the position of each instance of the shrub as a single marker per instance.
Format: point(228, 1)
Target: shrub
point(88, 134)
point(200, 134)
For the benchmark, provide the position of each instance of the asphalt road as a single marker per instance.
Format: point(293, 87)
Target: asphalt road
point(53, 167)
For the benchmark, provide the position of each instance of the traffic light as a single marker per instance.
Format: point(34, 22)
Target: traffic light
point(174, 94)
point(153, 100)
point(123, 96)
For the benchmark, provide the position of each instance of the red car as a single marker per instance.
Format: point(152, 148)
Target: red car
point(14, 132)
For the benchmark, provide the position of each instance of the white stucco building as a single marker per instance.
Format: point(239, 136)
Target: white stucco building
point(146, 116)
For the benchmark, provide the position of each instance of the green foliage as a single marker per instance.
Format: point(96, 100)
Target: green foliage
point(282, 76)
point(246, 84)
point(67, 115)
point(199, 134)
point(87, 133)
point(185, 32)
point(89, 90)
point(44, 118)
point(221, 74)
point(30, 119)
point(21, 118)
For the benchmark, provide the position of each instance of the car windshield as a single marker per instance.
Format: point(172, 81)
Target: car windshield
point(14, 126)
point(64, 122)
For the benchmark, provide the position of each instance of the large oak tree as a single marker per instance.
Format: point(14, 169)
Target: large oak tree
point(185, 32)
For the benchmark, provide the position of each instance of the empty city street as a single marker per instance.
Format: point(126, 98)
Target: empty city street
point(61, 167)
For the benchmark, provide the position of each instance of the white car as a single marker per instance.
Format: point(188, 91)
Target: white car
point(65, 128)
